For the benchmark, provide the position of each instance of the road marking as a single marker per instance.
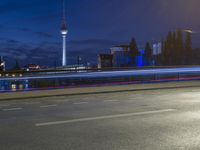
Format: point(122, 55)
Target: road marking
point(103, 117)
point(46, 106)
point(12, 109)
point(31, 103)
point(4, 105)
point(80, 103)
point(111, 101)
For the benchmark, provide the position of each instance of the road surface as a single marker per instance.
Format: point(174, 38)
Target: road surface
point(144, 120)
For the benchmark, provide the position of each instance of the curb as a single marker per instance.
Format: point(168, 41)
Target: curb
point(100, 90)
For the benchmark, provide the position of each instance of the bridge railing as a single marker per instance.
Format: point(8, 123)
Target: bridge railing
point(36, 80)
point(20, 73)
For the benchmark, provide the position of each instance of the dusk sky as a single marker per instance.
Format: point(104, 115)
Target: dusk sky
point(30, 29)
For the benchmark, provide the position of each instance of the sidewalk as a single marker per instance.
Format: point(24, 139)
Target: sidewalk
point(96, 90)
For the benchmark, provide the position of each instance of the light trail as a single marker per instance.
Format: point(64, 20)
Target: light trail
point(110, 73)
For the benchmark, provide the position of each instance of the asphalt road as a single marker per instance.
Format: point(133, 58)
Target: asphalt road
point(145, 120)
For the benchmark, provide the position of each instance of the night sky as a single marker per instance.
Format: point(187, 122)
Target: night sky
point(30, 29)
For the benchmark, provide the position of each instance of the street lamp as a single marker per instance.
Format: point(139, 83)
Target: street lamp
point(79, 59)
point(191, 31)
point(188, 31)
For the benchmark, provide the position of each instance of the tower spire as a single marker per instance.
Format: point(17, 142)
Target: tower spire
point(64, 11)
point(64, 23)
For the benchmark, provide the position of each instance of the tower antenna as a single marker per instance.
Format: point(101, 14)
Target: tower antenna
point(64, 11)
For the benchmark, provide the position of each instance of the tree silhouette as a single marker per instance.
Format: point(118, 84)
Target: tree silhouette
point(17, 66)
point(173, 51)
point(165, 53)
point(148, 53)
point(179, 51)
point(188, 48)
point(174, 46)
point(133, 52)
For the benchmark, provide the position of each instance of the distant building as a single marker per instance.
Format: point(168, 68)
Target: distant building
point(2, 64)
point(32, 67)
point(140, 60)
point(157, 53)
point(157, 48)
point(105, 61)
point(120, 55)
point(124, 48)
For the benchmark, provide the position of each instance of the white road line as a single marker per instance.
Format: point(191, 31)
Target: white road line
point(111, 101)
point(46, 106)
point(11, 109)
point(31, 103)
point(80, 103)
point(103, 117)
point(4, 105)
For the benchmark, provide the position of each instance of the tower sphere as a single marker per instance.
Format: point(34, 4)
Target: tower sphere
point(64, 29)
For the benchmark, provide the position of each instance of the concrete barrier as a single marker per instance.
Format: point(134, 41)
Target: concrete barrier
point(96, 90)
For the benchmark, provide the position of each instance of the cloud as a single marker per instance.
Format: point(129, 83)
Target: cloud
point(94, 42)
point(47, 53)
point(26, 53)
point(44, 34)
point(39, 34)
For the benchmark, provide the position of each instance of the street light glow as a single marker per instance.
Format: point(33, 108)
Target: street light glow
point(189, 31)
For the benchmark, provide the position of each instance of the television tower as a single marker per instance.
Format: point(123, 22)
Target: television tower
point(64, 32)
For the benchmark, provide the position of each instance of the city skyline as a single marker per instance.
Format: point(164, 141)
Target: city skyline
point(94, 26)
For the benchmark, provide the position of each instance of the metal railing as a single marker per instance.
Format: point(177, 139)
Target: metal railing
point(62, 79)
point(57, 71)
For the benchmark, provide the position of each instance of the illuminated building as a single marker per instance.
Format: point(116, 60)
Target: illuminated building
point(33, 67)
point(157, 52)
point(157, 48)
point(121, 57)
